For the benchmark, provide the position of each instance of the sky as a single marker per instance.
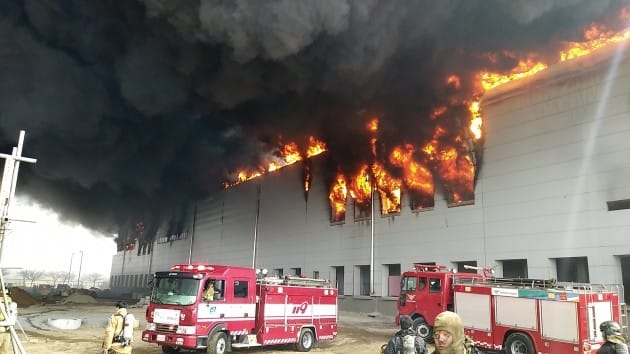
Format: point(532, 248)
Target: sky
point(137, 109)
point(39, 240)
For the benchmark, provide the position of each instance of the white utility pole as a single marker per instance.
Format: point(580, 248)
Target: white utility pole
point(7, 193)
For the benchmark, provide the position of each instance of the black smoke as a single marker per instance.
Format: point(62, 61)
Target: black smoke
point(135, 109)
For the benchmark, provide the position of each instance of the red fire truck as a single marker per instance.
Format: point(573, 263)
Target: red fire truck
point(247, 309)
point(517, 316)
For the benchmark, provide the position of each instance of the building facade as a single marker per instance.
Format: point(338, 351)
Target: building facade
point(552, 200)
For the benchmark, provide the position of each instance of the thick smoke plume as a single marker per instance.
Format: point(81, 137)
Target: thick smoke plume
point(134, 109)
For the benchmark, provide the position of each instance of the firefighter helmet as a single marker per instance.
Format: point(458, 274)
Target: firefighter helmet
point(610, 328)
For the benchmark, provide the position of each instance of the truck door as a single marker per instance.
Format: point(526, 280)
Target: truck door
point(241, 295)
point(434, 299)
point(412, 294)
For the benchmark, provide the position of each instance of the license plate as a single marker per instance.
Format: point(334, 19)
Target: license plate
point(161, 338)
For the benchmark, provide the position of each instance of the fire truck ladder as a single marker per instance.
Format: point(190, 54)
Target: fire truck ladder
point(296, 281)
point(623, 317)
point(528, 282)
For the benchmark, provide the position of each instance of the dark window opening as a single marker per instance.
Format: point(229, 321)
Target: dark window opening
point(461, 267)
point(618, 204)
point(572, 269)
point(514, 268)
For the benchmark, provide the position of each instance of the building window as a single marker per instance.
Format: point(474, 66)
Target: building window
point(296, 272)
point(279, 272)
point(461, 266)
point(572, 269)
point(514, 268)
point(316, 274)
point(364, 280)
point(393, 279)
point(618, 204)
point(362, 211)
point(339, 279)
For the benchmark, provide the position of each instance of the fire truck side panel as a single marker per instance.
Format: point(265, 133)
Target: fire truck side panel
point(287, 309)
point(516, 312)
point(559, 321)
point(474, 309)
point(238, 318)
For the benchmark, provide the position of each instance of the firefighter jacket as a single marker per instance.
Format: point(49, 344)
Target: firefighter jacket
point(113, 329)
point(613, 348)
point(397, 344)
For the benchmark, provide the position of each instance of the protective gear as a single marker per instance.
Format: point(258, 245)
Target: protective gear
point(610, 328)
point(408, 344)
point(405, 341)
point(615, 343)
point(208, 294)
point(114, 327)
point(451, 322)
point(405, 322)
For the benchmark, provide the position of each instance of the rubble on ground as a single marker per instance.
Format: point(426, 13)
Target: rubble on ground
point(22, 298)
point(79, 298)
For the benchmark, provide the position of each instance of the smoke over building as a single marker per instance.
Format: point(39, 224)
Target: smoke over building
point(136, 110)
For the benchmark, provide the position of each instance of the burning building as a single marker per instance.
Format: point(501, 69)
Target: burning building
point(552, 198)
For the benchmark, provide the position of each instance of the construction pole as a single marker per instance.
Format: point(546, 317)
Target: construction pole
point(7, 193)
point(255, 247)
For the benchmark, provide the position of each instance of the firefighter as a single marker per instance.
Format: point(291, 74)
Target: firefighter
point(114, 328)
point(6, 346)
point(405, 341)
point(615, 343)
point(208, 294)
point(448, 333)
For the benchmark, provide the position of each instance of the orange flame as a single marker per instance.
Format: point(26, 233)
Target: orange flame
point(388, 189)
point(596, 37)
point(360, 188)
point(525, 68)
point(438, 111)
point(476, 121)
point(455, 170)
point(415, 176)
point(315, 147)
point(337, 198)
point(372, 125)
point(453, 80)
point(285, 155)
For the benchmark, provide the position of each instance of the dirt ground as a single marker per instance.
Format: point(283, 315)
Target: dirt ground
point(358, 333)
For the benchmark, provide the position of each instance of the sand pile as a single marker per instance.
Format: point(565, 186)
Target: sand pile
point(22, 298)
point(79, 298)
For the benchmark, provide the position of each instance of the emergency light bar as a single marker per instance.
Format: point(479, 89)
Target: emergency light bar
point(189, 267)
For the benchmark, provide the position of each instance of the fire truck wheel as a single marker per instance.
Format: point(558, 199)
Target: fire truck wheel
point(306, 341)
point(217, 343)
point(518, 343)
point(423, 329)
point(167, 349)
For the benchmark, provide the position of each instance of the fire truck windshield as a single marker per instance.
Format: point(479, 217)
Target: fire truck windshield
point(175, 291)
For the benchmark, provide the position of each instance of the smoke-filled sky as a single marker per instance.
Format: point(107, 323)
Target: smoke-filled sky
point(132, 107)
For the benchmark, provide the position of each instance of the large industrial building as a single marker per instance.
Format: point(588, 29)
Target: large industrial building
point(551, 200)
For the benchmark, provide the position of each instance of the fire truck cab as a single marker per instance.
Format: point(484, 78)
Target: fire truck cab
point(220, 307)
point(427, 290)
